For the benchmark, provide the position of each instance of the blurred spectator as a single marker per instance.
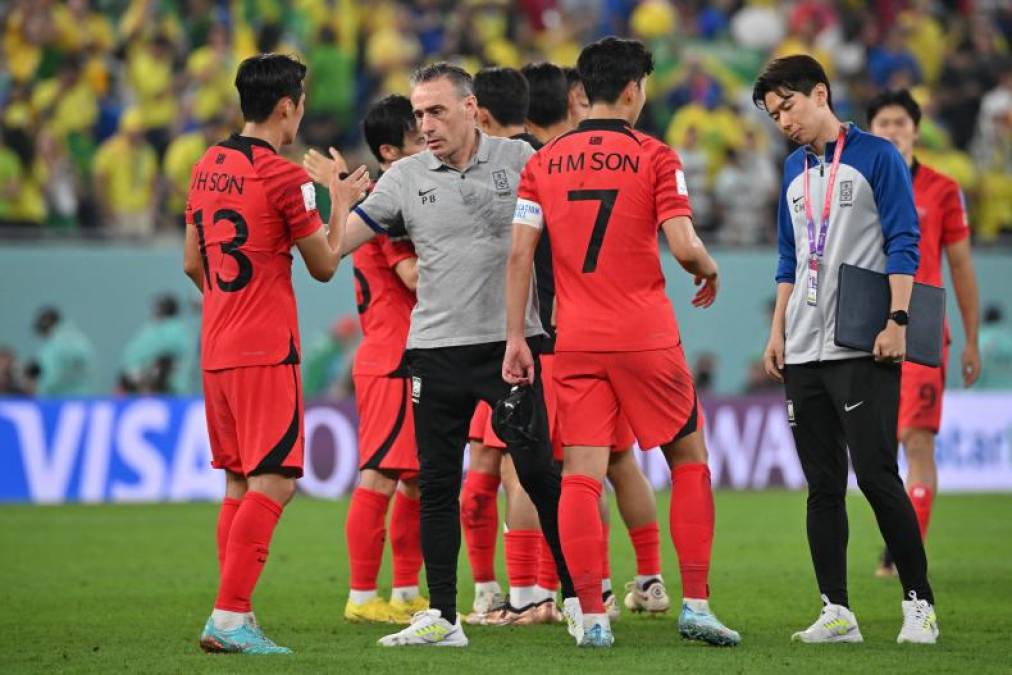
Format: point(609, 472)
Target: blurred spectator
point(326, 367)
point(183, 152)
point(21, 201)
point(125, 172)
point(694, 165)
point(995, 351)
point(705, 372)
point(11, 383)
point(741, 200)
point(64, 363)
point(891, 65)
point(993, 151)
point(158, 359)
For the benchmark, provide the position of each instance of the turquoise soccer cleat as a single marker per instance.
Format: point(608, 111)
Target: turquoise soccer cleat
point(705, 627)
point(597, 636)
point(246, 639)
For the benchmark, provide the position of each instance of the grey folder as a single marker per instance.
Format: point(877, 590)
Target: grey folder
point(862, 309)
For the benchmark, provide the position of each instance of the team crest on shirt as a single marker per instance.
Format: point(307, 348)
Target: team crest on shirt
point(501, 182)
point(846, 193)
point(308, 196)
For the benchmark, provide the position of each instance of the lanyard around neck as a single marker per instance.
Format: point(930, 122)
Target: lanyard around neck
point(816, 249)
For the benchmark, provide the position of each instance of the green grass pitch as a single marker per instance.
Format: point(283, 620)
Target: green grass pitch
point(127, 589)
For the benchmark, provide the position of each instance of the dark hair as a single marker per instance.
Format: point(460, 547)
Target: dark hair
point(791, 73)
point(166, 305)
point(572, 76)
point(265, 79)
point(460, 78)
point(504, 93)
point(386, 123)
point(609, 64)
point(900, 97)
point(993, 314)
point(549, 93)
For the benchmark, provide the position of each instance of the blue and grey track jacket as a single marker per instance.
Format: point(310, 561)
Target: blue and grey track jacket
point(872, 224)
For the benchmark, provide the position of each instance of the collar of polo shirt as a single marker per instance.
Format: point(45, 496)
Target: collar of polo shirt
point(481, 156)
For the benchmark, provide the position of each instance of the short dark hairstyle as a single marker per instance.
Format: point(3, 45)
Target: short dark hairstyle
point(572, 76)
point(900, 97)
point(504, 93)
point(608, 65)
point(549, 93)
point(790, 73)
point(460, 78)
point(386, 123)
point(265, 79)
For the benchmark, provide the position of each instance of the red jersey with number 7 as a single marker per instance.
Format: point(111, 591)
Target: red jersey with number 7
point(249, 205)
point(605, 188)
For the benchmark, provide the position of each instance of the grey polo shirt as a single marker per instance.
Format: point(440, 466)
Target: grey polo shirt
point(460, 223)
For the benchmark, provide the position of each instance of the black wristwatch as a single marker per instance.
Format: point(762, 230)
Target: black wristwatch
point(900, 317)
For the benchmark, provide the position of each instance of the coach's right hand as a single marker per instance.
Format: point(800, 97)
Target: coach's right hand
point(773, 358)
point(518, 363)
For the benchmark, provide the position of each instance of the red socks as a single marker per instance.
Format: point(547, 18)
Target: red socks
point(548, 571)
point(646, 541)
point(229, 507)
point(406, 540)
point(522, 557)
point(921, 497)
point(581, 533)
point(249, 540)
point(365, 535)
point(692, 526)
point(479, 516)
point(605, 551)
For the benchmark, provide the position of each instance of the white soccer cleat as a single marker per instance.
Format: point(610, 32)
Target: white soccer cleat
point(611, 607)
point(652, 597)
point(486, 603)
point(428, 629)
point(573, 615)
point(835, 624)
point(920, 625)
point(596, 632)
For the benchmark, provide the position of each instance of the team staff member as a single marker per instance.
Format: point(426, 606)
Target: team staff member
point(456, 202)
point(895, 115)
point(246, 208)
point(846, 198)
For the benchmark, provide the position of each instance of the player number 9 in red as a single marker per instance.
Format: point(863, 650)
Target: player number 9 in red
point(229, 248)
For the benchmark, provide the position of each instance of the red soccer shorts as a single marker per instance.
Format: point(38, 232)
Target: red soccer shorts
point(386, 425)
point(481, 427)
point(652, 390)
point(254, 419)
point(921, 390)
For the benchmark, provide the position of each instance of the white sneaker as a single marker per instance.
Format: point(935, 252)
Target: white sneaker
point(486, 602)
point(611, 607)
point(835, 624)
point(919, 622)
point(428, 629)
point(652, 598)
point(573, 614)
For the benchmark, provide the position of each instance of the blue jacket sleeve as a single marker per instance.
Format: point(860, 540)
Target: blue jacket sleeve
point(785, 235)
point(894, 197)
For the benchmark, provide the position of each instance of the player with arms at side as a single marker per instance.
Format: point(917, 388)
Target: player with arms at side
point(895, 115)
point(247, 207)
point(618, 350)
point(386, 273)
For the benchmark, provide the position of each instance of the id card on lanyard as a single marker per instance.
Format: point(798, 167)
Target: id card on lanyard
point(817, 246)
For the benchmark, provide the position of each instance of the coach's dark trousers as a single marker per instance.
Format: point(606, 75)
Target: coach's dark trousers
point(447, 383)
point(833, 405)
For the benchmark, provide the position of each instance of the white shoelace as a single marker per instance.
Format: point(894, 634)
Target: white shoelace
point(918, 617)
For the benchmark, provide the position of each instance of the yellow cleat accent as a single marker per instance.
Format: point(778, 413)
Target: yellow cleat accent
point(376, 610)
point(401, 611)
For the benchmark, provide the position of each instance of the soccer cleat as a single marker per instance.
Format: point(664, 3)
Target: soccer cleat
point(485, 604)
point(920, 625)
point(427, 629)
point(401, 611)
point(573, 615)
point(836, 623)
point(700, 623)
point(611, 607)
point(246, 639)
point(376, 610)
point(548, 612)
point(652, 598)
point(597, 634)
point(507, 615)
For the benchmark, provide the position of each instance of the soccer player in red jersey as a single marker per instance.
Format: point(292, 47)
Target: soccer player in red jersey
point(618, 349)
point(386, 274)
point(896, 116)
point(247, 207)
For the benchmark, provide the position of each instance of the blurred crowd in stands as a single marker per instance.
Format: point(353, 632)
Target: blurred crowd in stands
point(106, 104)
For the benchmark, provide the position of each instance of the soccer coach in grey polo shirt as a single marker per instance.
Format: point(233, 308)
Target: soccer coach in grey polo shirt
point(455, 201)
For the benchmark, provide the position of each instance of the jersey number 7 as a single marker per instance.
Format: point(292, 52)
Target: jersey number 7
point(607, 203)
point(229, 248)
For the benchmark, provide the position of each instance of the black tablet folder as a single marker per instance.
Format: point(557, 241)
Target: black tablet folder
point(862, 309)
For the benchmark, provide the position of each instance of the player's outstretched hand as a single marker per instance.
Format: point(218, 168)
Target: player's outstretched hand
point(320, 168)
point(708, 293)
point(773, 358)
point(346, 192)
point(518, 363)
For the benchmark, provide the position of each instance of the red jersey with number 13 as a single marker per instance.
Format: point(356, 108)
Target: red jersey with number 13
point(605, 189)
point(249, 205)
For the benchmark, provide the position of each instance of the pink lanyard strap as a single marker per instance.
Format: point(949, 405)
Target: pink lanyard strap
point(813, 249)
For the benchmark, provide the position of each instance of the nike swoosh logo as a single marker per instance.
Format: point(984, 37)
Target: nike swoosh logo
point(848, 408)
point(422, 194)
point(797, 199)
